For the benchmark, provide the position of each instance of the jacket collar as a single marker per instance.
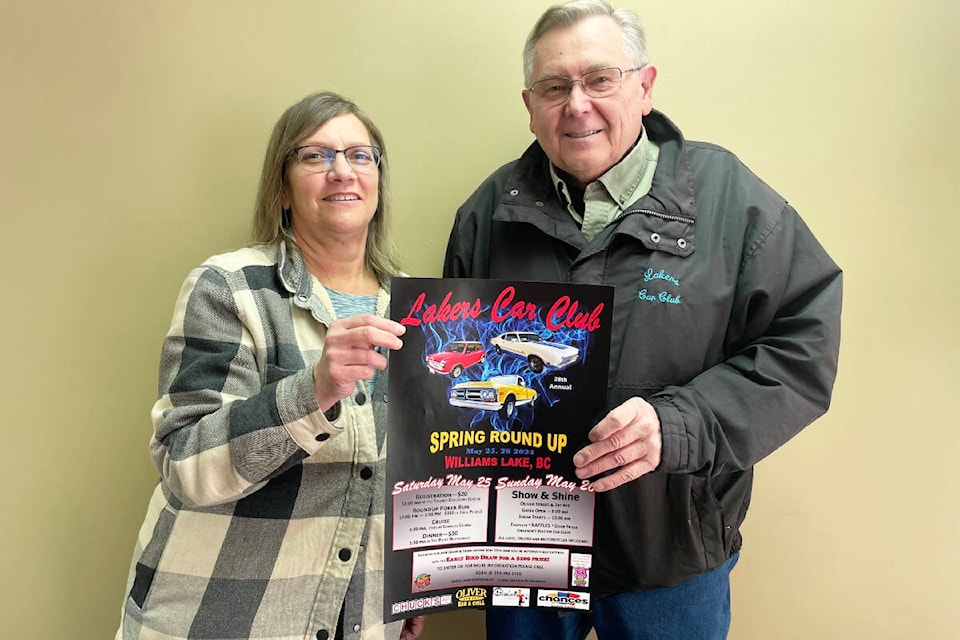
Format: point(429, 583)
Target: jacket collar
point(296, 279)
point(292, 270)
point(672, 189)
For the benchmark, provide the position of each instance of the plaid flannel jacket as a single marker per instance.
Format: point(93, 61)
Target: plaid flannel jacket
point(267, 517)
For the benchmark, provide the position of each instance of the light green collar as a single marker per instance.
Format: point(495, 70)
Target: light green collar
point(623, 183)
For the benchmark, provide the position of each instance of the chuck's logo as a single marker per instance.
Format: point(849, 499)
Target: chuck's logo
point(421, 603)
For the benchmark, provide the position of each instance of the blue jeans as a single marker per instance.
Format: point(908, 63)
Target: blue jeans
point(697, 609)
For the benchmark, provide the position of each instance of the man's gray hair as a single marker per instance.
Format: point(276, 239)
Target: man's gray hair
point(571, 13)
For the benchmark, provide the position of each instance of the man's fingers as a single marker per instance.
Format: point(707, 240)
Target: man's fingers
point(626, 443)
point(620, 456)
point(618, 429)
point(617, 419)
point(624, 475)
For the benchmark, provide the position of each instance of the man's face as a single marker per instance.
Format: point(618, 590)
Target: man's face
point(586, 136)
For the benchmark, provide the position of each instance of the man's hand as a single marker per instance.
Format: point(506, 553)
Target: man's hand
point(412, 628)
point(350, 353)
point(628, 439)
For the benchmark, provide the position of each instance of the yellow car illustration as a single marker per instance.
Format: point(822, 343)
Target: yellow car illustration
point(498, 393)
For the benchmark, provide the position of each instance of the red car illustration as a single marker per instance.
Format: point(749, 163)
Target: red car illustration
point(455, 357)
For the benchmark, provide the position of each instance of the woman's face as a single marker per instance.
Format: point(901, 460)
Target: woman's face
point(340, 201)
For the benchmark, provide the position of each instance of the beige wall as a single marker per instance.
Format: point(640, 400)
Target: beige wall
point(131, 135)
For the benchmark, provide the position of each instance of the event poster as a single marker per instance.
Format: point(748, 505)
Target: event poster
point(496, 387)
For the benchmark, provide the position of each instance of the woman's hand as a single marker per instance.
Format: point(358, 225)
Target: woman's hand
point(413, 627)
point(351, 352)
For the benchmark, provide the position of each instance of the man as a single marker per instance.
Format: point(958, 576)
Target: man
point(726, 321)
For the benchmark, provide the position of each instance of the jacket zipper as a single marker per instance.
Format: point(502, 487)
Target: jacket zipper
point(657, 214)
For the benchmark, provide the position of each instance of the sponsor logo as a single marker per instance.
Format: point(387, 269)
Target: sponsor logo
point(422, 581)
point(421, 603)
point(471, 597)
point(564, 599)
point(510, 597)
point(580, 577)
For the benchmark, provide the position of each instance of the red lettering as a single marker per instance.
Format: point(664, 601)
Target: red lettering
point(563, 313)
point(417, 305)
point(593, 322)
point(556, 311)
point(520, 309)
point(503, 300)
point(430, 315)
point(443, 313)
point(445, 307)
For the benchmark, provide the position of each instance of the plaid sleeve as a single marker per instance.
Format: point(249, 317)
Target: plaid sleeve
point(224, 418)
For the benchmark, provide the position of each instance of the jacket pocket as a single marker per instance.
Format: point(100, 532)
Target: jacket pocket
point(145, 566)
point(710, 514)
point(731, 492)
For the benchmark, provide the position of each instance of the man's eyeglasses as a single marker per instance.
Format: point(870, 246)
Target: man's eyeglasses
point(596, 84)
point(319, 159)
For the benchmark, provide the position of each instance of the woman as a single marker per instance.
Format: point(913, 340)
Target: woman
point(270, 429)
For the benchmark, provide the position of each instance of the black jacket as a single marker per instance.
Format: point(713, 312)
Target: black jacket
point(726, 319)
